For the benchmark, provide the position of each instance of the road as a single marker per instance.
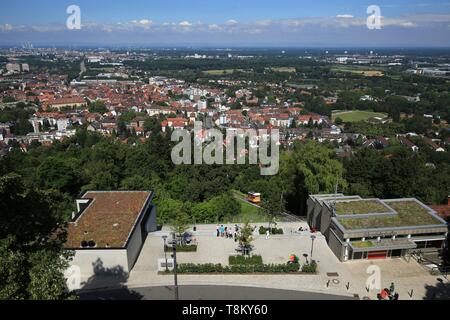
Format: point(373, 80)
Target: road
point(83, 69)
point(216, 293)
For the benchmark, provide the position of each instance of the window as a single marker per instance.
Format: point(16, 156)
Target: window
point(396, 253)
point(435, 244)
point(421, 244)
point(357, 255)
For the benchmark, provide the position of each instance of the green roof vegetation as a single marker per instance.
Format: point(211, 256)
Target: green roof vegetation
point(362, 244)
point(410, 214)
point(360, 207)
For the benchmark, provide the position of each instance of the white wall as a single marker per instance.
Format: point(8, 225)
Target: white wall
point(85, 260)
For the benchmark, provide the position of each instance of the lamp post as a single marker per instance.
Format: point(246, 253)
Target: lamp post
point(175, 267)
point(165, 251)
point(306, 257)
point(313, 237)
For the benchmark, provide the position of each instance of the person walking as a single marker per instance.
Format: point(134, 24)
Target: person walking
point(218, 231)
point(267, 234)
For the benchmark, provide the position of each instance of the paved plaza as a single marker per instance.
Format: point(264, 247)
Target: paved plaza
point(333, 278)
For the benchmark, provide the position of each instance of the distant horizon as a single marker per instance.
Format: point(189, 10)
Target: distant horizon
point(224, 48)
point(250, 23)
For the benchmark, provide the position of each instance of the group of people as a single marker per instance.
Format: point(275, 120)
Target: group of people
point(227, 232)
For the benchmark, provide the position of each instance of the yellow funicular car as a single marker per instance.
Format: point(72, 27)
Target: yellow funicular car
point(254, 197)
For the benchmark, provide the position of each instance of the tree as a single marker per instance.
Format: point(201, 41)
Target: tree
point(59, 174)
point(311, 168)
point(245, 239)
point(152, 125)
point(339, 121)
point(32, 259)
point(180, 224)
point(273, 201)
point(98, 106)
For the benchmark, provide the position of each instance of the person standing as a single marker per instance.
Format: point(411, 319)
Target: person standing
point(267, 234)
point(218, 231)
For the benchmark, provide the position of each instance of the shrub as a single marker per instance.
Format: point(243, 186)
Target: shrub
point(242, 260)
point(310, 268)
point(274, 231)
point(188, 248)
point(238, 269)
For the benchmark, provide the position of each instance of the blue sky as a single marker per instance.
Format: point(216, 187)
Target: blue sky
point(281, 22)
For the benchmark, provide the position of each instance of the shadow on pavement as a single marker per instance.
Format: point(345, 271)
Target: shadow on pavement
point(111, 278)
point(439, 292)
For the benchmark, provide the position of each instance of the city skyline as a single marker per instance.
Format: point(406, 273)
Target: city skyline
point(252, 23)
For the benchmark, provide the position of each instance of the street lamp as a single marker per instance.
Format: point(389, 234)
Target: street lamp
point(165, 251)
point(175, 267)
point(306, 257)
point(313, 237)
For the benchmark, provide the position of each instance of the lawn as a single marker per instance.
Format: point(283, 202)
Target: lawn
point(251, 214)
point(357, 116)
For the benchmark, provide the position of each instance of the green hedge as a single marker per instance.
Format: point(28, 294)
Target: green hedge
point(310, 268)
point(238, 269)
point(191, 248)
point(242, 260)
point(274, 231)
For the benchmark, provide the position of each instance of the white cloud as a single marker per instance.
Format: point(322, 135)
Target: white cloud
point(231, 22)
point(345, 16)
point(214, 27)
point(146, 22)
point(265, 23)
point(6, 27)
point(284, 26)
point(185, 24)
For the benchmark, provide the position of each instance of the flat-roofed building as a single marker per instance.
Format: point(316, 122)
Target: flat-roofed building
point(357, 228)
point(110, 227)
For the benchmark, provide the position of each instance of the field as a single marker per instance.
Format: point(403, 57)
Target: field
point(222, 72)
point(356, 116)
point(360, 71)
point(284, 70)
